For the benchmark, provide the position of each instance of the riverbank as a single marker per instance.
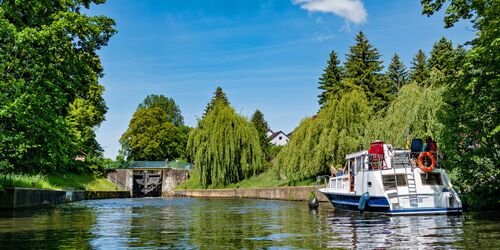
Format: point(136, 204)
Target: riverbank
point(17, 197)
point(301, 193)
point(267, 179)
point(61, 181)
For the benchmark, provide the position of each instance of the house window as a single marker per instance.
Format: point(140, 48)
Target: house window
point(281, 138)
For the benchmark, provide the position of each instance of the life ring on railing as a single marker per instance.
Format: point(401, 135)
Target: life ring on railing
point(421, 165)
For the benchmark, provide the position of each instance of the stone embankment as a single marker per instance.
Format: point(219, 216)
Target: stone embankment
point(13, 198)
point(278, 193)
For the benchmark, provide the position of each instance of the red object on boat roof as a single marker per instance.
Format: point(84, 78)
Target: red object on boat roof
point(376, 148)
point(376, 152)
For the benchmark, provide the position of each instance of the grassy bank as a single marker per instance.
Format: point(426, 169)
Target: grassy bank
point(264, 180)
point(66, 181)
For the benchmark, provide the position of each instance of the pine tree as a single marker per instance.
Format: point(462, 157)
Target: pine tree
point(362, 69)
point(397, 73)
point(331, 80)
point(441, 62)
point(262, 127)
point(219, 96)
point(419, 72)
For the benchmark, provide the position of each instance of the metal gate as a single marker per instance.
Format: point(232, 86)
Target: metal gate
point(147, 183)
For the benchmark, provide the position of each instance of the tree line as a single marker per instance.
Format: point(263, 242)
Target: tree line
point(50, 97)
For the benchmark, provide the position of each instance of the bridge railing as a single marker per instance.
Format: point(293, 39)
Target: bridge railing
point(150, 164)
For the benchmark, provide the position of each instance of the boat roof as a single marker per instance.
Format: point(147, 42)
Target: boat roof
point(356, 154)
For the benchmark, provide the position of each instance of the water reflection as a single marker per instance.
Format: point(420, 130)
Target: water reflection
point(219, 223)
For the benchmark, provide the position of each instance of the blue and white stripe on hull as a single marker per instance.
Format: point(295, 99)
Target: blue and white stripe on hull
point(381, 205)
point(419, 211)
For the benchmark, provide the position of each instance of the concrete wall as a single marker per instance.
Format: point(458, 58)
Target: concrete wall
point(280, 193)
point(13, 198)
point(124, 178)
point(172, 178)
point(31, 197)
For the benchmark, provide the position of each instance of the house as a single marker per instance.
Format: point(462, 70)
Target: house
point(278, 138)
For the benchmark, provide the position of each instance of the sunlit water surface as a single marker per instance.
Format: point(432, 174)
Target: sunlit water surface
point(185, 223)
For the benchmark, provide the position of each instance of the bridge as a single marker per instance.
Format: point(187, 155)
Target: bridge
point(149, 178)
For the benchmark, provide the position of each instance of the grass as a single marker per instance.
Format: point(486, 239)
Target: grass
point(264, 180)
point(65, 181)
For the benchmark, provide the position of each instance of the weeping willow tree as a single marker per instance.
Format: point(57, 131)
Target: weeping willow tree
point(225, 148)
point(320, 143)
point(412, 113)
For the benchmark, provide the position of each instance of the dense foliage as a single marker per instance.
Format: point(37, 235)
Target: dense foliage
point(50, 98)
point(156, 132)
point(320, 143)
point(225, 147)
point(167, 104)
point(397, 73)
point(413, 113)
point(331, 81)
point(363, 69)
point(470, 116)
point(419, 71)
point(219, 96)
point(262, 127)
point(152, 137)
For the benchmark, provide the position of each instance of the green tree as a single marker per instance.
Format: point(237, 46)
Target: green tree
point(414, 111)
point(219, 96)
point(330, 81)
point(419, 72)
point(152, 137)
point(397, 73)
point(471, 119)
point(320, 143)
point(225, 147)
point(262, 127)
point(49, 71)
point(441, 63)
point(363, 69)
point(166, 104)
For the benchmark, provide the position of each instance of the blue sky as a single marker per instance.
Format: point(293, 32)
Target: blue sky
point(265, 54)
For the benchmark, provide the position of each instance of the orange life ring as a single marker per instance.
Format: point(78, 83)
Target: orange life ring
point(421, 164)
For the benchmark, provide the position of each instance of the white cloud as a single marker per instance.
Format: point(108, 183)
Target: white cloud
point(352, 10)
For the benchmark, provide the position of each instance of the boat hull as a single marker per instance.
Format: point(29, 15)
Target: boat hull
point(381, 205)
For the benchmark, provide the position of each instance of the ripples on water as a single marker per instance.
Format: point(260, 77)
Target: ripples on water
point(184, 223)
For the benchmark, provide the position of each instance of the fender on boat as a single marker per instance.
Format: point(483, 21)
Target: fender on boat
point(363, 200)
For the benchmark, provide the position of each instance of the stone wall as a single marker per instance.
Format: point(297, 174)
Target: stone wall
point(12, 198)
point(124, 178)
point(279, 193)
point(172, 178)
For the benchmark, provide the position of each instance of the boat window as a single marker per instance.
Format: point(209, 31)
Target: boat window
point(401, 180)
point(391, 181)
point(431, 179)
point(333, 183)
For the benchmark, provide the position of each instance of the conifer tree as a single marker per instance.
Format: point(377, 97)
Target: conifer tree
point(419, 72)
point(330, 81)
point(397, 73)
point(262, 127)
point(363, 69)
point(219, 96)
point(441, 63)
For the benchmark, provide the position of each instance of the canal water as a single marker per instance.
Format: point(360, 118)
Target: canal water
point(187, 223)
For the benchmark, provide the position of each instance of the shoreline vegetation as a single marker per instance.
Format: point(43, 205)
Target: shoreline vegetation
point(62, 181)
point(51, 104)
